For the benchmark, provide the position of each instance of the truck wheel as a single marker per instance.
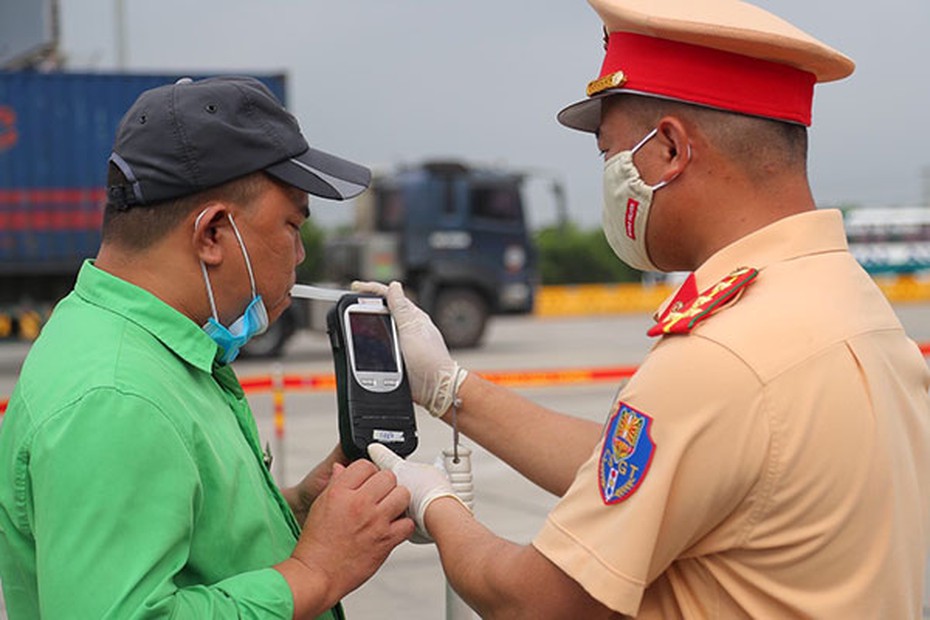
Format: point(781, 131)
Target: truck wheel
point(461, 315)
point(271, 343)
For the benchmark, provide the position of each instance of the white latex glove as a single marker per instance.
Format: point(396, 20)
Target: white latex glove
point(425, 483)
point(434, 376)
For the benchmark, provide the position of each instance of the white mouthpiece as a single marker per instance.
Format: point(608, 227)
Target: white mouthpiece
point(306, 291)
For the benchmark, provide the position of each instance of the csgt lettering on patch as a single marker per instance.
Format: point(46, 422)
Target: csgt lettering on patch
point(626, 455)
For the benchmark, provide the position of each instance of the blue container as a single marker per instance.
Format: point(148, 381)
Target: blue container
point(56, 133)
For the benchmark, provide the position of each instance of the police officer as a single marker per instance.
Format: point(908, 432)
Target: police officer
point(771, 456)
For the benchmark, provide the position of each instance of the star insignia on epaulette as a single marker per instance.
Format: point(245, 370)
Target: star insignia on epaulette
point(687, 310)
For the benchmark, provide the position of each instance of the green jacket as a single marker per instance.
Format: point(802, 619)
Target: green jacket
point(132, 483)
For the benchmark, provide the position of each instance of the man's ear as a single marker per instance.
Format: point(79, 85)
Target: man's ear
point(676, 143)
point(209, 225)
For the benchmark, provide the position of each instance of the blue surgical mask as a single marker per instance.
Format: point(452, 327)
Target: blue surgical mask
point(252, 322)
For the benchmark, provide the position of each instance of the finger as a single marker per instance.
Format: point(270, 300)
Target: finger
point(383, 456)
point(396, 299)
point(404, 310)
point(335, 456)
point(400, 530)
point(376, 288)
point(396, 502)
point(378, 487)
point(338, 456)
point(355, 475)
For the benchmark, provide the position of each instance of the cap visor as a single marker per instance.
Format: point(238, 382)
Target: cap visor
point(322, 174)
point(584, 115)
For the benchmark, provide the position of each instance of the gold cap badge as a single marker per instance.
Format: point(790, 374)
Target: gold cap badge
point(614, 80)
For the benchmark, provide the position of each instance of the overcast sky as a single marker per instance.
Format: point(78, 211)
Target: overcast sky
point(391, 81)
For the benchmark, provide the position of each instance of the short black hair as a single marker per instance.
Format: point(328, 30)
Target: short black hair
point(755, 143)
point(140, 226)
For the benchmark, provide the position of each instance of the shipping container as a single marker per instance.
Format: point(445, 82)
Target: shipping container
point(56, 133)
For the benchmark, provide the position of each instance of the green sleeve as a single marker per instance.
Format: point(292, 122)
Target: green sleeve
point(115, 496)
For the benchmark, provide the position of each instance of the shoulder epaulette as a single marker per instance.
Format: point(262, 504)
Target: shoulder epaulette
point(688, 309)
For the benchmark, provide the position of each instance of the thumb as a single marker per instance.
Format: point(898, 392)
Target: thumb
point(383, 457)
point(401, 307)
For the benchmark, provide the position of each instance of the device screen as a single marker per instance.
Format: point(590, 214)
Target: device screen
point(372, 342)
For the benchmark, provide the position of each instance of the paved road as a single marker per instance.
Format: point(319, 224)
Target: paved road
point(410, 585)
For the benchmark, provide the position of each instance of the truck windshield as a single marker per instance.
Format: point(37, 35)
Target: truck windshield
point(390, 210)
point(496, 203)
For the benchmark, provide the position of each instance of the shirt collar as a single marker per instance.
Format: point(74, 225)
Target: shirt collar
point(176, 331)
point(802, 234)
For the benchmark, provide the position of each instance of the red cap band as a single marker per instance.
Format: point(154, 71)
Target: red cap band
point(710, 77)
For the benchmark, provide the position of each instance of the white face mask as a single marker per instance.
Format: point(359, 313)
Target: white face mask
point(627, 200)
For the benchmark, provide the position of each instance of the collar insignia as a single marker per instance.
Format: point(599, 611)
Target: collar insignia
point(688, 308)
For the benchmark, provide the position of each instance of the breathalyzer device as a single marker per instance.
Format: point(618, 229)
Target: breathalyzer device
point(372, 391)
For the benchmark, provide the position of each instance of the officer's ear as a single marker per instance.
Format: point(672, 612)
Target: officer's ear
point(210, 225)
point(675, 140)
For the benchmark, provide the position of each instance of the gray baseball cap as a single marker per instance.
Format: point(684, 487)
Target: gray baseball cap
point(189, 136)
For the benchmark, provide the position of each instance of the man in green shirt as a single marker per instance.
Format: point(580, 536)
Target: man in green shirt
point(132, 484)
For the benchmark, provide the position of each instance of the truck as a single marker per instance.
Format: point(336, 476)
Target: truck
point(457, 236)
point(455, 233)
point(56, 133)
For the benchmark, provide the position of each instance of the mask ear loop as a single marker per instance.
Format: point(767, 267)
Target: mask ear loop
point(206, 278)
point(245, 253)
point(639, 145)
point(649, 136)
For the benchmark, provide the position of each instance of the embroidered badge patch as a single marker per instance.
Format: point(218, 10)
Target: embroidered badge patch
point(626, 455)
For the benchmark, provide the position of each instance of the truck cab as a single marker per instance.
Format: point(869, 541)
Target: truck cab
point(455, 235)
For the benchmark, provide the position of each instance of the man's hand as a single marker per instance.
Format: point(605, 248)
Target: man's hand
point(434, 375)
point(425, 483)
point(352, 527)
point(302, 495)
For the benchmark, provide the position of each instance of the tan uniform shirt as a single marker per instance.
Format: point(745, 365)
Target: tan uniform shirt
point(781, 467)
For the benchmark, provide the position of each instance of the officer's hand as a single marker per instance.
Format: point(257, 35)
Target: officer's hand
point(353, 526)
point(425, 483)
point(434, 376)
